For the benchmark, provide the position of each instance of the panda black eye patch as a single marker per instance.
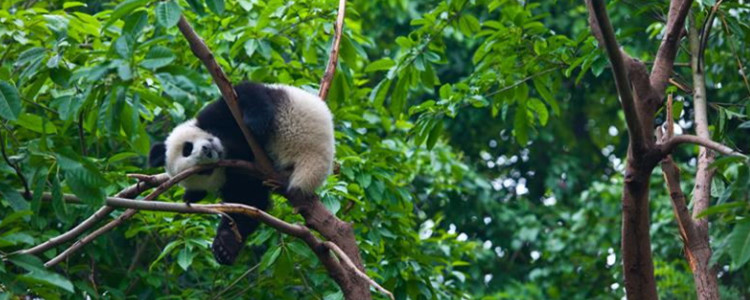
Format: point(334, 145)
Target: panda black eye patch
point(187, 148)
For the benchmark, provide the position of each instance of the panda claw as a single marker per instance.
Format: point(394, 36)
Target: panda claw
point(273, 184)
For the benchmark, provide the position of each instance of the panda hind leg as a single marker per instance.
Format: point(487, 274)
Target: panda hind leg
point(244, 190)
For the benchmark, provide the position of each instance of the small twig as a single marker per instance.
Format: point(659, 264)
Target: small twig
point(325, 83)
point(345, 259)
point(517, 83)
point(236, 281)
point(707, 25)
point(26, 191)
point(672, 143)
point(81, 136)
point(740, 66)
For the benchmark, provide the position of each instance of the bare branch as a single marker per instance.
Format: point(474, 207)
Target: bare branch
point(348, 262)
point(672, 143)
point(298, 231)
point(129, 192)
point(664, 62)
point(201, 51)
point(325, 84)
point(125, 215)
point(672, 177)
point(600, 24)
point(26, 191)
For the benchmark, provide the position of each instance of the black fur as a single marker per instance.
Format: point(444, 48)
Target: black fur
point(158, 155)
point(257, 104)
point(192, 196)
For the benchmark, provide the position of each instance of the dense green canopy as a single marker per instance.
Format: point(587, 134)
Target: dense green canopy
point(481, 145)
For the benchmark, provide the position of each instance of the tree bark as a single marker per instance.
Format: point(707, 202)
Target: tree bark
point(698, 249)
point(638, 266)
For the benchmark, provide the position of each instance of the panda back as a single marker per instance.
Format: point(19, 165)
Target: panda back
point(302, 137)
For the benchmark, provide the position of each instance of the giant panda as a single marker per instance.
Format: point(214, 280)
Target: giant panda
point(295, 129)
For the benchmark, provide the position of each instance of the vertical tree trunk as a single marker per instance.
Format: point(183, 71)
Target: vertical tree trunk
point(698, 248)
point(638, 265)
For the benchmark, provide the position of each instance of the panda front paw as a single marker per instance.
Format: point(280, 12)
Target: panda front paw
point(193, 196)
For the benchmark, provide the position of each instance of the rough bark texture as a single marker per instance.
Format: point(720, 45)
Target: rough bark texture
point(641, 95)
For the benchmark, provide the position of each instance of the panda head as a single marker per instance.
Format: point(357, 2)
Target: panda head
point(186, 146)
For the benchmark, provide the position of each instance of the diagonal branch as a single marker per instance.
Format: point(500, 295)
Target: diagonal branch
point(201, 51)
point(320, 248)
point(672, 143)
point(664, 62)
point(600, 24)
point(325, 84)
point(129, 192)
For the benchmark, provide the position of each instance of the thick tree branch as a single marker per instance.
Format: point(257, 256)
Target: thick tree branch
point(298, 231)
point(325, 83)
point(664, 62)
point(601, 26)
point(672, 143)
point(201, 51)
point(672, 177)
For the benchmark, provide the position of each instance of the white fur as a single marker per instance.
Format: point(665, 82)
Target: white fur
point(302, 139)
point(176, 163)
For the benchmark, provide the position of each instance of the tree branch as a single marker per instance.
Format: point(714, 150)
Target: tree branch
point(664, 62)
point(601, 26)
point(201, 51)
point(325, 83)
point(298, 231)
point(26, 191)
point(672, 143)
point(129, 192)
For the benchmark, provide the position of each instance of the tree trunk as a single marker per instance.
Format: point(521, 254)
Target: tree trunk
point(638, 265)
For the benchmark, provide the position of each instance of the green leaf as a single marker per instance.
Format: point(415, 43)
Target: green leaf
point(10, 101)
point(38, 274)
point(36, 123)
point(398, 98)
point(185, 258)
point(541, 88)
point(197, 6)
point(739, 244)
point(744, 125)
point(135, 23)
point(434, 134)
point(13, 198)
point(123, 9)
point(379, 65)
point(270, 257)
point(124, 46)
point(167, 13)
point(540, 109)
point(377, 95)
point(216, 6)
point(157, 57)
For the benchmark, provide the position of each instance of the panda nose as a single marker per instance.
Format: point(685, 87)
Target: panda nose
point(207, 151)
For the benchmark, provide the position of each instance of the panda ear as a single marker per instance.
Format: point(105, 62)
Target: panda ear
point(158, 155)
